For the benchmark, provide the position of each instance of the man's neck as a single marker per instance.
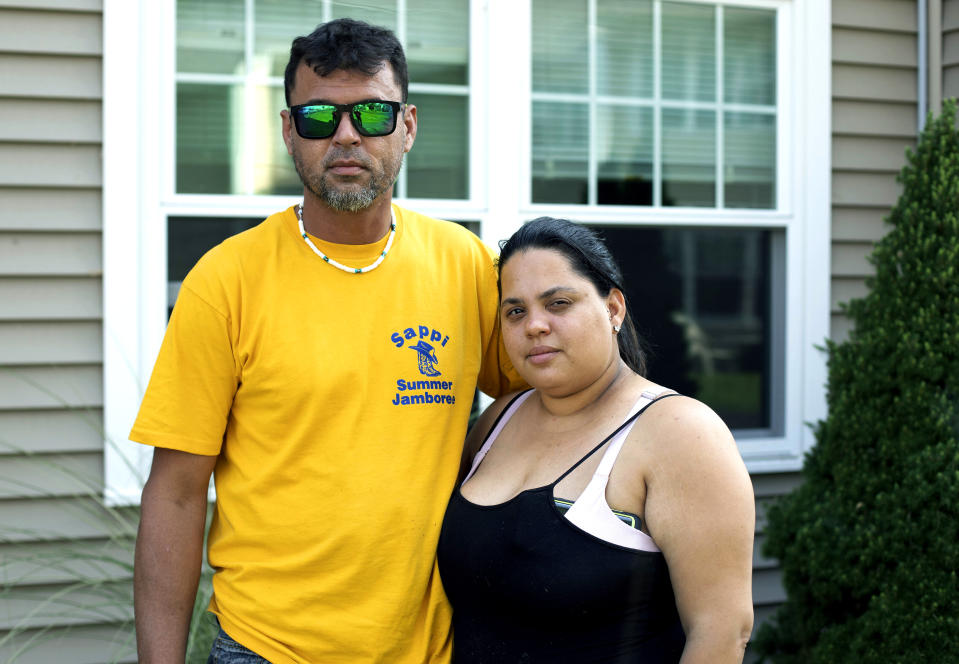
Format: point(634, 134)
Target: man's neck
point(363, 227)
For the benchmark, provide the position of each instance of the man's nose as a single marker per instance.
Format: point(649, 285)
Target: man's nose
point(346, 133)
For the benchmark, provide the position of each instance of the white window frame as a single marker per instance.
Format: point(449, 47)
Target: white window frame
point(138, 197)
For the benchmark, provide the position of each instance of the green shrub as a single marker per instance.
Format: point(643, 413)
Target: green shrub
point(869, 543)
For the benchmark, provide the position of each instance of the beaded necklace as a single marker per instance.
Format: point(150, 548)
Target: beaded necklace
point(352, 270)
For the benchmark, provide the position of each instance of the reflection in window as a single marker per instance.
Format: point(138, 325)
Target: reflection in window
point(625, 147)
point(625, 59)
point(685, 117)
point(689, 157)
point(689, 52)
point(558, 50)
point(272, 166)
point(560, 152)
point(191, 237)
point(207, 122)
point(437, 41)
point(701, 299)
point(750, 164)
point(749, 58)
point(210, 36)
point(435, 165)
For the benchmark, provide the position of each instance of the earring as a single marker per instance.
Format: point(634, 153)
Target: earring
point(615, 329)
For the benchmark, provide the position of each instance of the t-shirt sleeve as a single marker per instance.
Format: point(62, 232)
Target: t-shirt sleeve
point(195, 378)
point(497, 375)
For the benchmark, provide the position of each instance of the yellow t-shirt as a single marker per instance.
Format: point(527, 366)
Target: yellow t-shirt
point(338, 405)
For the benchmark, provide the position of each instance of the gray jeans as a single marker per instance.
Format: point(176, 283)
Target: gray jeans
point(227, 651)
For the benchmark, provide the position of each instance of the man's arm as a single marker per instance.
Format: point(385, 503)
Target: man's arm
point(169, 552)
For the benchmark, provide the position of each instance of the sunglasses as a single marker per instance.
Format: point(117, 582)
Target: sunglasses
point(374, 117)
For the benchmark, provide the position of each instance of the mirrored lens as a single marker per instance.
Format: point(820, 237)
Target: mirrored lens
point(374, 118)
point(317, 121)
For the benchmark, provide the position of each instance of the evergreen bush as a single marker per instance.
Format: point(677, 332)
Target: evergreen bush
point(869, 543)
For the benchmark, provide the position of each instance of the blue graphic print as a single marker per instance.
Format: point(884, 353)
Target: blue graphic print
point(417, 391)
point(427, 358)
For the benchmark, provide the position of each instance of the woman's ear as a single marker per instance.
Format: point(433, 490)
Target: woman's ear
point(616, 305)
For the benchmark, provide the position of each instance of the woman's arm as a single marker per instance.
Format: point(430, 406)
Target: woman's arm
point(700, 510)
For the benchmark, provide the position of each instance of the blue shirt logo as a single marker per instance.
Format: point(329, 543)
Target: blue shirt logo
point(419, 390)
point(426, 357)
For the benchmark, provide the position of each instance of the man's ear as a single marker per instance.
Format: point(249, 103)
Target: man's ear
point(288, 129)
point(409, 120)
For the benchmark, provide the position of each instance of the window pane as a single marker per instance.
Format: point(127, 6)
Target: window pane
point(437, 41)
point(191, 237)
point(208, 121)
point(625, 155)
point(689, 52)
point(272, 168)
point(689, 157)
point(437, 166)
point(210, 36)
point(624, 48)
point(377, 12)
point(560, 46)
point(560, 152)
point(701, 298)
point(749, 56)
point(277, 24)
point(750, 165)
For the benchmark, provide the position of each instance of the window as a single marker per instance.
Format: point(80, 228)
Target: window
point(693, 134)
point(654, 104)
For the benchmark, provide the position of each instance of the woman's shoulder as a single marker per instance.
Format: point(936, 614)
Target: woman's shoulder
point(678, 426)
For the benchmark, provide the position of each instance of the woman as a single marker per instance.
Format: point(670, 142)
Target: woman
point(604, 517)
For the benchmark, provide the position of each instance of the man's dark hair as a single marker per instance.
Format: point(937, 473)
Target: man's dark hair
point(590, 258)
point(349, 45)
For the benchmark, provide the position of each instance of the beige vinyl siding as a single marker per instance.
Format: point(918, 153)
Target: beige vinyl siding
point(874, 92)
point(53, 527)
point(768, 592)
point(950, 48)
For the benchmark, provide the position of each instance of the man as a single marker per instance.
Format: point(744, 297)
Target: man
point(322, 366)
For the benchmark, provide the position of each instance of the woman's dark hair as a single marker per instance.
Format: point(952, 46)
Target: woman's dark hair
point(589, 257)
point(349, 45)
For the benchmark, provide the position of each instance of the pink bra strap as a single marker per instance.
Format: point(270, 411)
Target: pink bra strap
point(612, 452)
point(503, 419)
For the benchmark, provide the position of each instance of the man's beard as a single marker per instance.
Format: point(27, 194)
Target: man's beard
point(348, 199)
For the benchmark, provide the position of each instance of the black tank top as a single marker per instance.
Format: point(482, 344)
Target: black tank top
point(527, 585)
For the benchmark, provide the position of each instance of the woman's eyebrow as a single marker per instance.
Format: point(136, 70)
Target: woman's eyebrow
point(545, 295)
point(554, 290)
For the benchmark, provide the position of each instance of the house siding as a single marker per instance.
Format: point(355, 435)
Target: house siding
point(51, 396)
point(950, 48)
point(874, 92)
